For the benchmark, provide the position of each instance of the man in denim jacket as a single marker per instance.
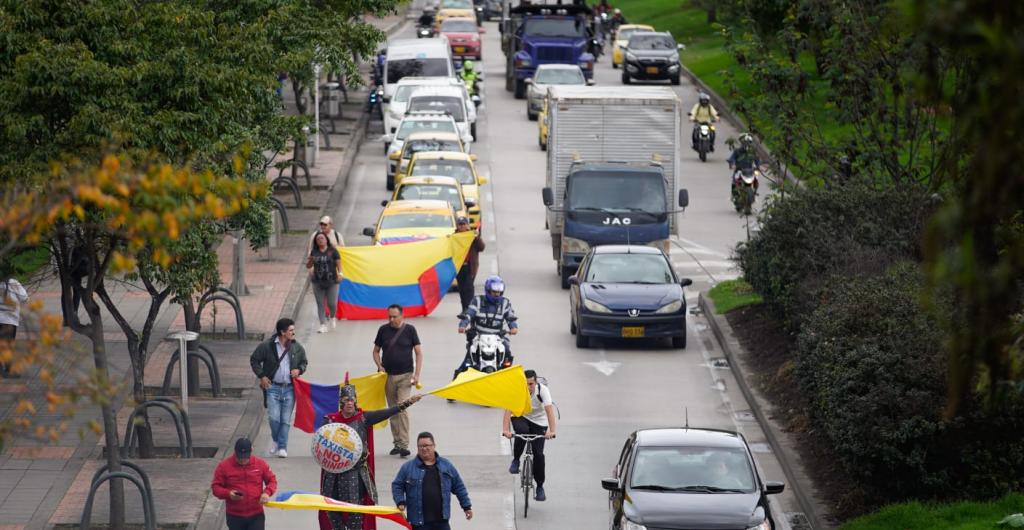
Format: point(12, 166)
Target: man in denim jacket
point(424, 486)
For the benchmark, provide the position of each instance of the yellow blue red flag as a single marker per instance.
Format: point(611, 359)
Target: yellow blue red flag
point(300, 500)
point(414, 275)
point(313, 401)
point(504, 389)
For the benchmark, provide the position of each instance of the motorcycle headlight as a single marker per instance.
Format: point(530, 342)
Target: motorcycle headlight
point(765, 525)
point(671, 307)
point(626, 524)
point(596, 308)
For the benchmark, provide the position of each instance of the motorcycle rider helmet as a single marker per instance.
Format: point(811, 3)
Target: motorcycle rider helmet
point(467, 66)
point(746, 139)
point(704, 98)
point(494, 288)
point(618, 11)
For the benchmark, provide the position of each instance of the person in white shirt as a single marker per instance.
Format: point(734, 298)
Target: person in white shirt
point(540, 420)
point(12, 295)
point(326, 228)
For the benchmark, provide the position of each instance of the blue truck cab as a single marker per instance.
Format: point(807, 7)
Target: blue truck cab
point(545, 34)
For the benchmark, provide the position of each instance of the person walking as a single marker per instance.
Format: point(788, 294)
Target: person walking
point(326, 228)
point(424, 486)
point(393, 351)
point(323, 263)
point(540, 420)
point(245, 483)
point(467, 273)
point(12, 296)
point(358, 484)
point(276, 362)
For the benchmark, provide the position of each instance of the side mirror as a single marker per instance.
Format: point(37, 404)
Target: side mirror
point(772, 488)
point(529, 81)
point(684, 198)
point(395, 156)
point(473, 157)
point(686, 282)
point(590, 82)
point(369, 231)
point(481, 30)
point(384, 202)
point(548, 196)
point(387, 138)
point(484, 180)
point(476, 100)
point(680, 46)
point(610, 484)
point(573, 280)
point(470, 202)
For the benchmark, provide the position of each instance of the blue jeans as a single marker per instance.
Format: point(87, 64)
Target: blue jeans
point(280, 402)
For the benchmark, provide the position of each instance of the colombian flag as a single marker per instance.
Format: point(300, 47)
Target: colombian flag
point(414, 275)
point(313, 401)
point(300, 500)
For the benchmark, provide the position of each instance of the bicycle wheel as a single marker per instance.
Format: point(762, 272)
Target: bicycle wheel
point(527, 479)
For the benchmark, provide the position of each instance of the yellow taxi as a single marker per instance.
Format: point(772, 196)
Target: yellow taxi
point(622, 39)
point(453, 9)
point(433, 188)
point(542, 126)
point(408, 221)
point(419, 142)
point(458, 166)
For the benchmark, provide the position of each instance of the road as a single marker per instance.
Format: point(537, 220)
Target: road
point(602, 393)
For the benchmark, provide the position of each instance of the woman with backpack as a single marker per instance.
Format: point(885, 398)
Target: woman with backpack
point(324, 262)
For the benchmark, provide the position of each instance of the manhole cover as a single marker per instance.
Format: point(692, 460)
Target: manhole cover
point(798, 521)
point(720, 362)
point(760, 447)
point(744, 415)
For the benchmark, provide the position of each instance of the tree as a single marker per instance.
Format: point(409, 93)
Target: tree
point(119, 211)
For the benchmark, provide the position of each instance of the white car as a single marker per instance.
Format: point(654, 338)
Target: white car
point(414, 122)
point(451, 99)
point(394, 110)
point(550, 75)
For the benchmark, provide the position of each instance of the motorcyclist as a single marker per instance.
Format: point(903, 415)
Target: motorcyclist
point(489, 313)
point(469, 76)
point(743, 157)
point(617, 19)
point(426, 19)
point(602, 7)
point(703, 112)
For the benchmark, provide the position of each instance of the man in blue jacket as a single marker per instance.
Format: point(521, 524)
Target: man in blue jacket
point(424, 486)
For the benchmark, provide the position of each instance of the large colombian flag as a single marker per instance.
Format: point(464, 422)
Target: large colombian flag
point(415, 275)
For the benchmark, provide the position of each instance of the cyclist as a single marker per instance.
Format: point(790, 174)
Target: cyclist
point(540, 420)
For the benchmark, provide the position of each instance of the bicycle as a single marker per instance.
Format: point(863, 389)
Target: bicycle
point(526, 469)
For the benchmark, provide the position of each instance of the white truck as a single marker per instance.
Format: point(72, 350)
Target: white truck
point(612, 169)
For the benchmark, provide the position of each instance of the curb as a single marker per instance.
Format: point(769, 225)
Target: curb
point(788, 459)
point(212, 515)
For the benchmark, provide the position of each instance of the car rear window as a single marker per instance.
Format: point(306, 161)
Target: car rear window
point(422, 146)
point(411, 192)
point(458, 169)
point(424, 67)
point(454, 105)
point(415, 220)
point(411, 126)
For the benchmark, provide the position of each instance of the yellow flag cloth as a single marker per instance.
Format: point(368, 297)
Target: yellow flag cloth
point(504, 389)
point(298, 500)
point(370, 391)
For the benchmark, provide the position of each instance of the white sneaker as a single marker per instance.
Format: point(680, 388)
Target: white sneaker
point(272, 450)
point(281, 453)
point(323, 328)
point(334, 323)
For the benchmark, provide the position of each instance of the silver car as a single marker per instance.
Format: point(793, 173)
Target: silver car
point(550, 75)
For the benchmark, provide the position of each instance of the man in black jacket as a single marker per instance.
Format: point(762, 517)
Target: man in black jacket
point(276, 362)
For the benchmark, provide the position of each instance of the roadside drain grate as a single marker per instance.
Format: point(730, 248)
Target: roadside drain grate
point(719, 362)
point(798, 521)
point(744, 415)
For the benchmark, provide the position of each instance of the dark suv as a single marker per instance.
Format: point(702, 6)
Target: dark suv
point(651, 55)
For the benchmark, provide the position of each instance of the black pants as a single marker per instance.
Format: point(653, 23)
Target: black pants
point(465, 287)
point(255, 522)
point(439, 525)
point(522, 425)
point(7, 332)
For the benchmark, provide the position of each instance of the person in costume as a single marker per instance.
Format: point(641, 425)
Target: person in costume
point(356, 485)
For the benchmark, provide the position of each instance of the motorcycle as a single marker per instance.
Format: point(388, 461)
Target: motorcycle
point(744, 189)
point(424, 31)
point(487, 352)
point(703, 144)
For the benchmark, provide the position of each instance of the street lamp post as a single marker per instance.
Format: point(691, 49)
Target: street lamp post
point(183, 337)
point(316, 111)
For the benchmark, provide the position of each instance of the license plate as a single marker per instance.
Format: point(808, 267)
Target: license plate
point(632, 331)
point(460, 49)
point(652, 69)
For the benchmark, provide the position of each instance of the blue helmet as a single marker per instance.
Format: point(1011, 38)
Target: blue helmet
point(494, 284)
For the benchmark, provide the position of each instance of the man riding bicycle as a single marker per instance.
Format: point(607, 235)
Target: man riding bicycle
point(540, 420)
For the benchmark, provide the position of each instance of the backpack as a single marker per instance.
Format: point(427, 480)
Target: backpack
point(542, 382)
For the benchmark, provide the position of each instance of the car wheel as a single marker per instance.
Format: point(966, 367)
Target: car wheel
point(391, 183)
point(679, 342)
point(543, 146)
point(572, 324)
point(625, 78)
point(565, 277)
point(582, 341)
point(520, 92)
point(614, 65)
point(386, 145)
point(532, 116)
point(675, 79)
point(472, 130)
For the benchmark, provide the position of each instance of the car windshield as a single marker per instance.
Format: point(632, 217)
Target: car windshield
point(458, 26)
point(695, 469)
point(614, 191)
point(397, 69)
point(431, 191)
point(555, 27)
point(422, 146)
point(624, 34)
point(416, 220)
point(651, 42)
point(451, 104)
point(559, 76)
point(411, 126)
point(458, 169)
point(629, 268)
point(456, 4)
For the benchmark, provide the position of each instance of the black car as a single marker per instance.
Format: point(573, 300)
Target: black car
point(686, 478)
point(651, 55)
point(627, 291)
point(487, 9)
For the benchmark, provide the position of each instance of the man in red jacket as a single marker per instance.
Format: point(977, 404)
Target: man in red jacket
point(246, 483)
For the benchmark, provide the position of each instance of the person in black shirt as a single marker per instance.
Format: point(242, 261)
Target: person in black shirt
point(393, 353)
point(323, 263)
point(424, 486)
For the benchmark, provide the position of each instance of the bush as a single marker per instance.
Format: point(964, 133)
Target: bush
point(872, 364)
point(815, 233)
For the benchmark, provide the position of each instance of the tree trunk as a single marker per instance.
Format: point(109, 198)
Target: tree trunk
point(99, 353)
point(298, 89)
point(144, 431)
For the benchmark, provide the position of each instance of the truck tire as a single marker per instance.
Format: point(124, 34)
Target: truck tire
point(520, 89)
point(472, 131)
point(675, 79)
point(532, 116)
point(391, 183)
point(510, 75)
point(564, 275)
point(543, 146)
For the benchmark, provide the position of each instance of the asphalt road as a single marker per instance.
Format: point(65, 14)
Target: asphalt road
point(602, 393)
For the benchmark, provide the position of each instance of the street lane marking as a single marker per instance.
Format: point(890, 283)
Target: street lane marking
point(604, 366)
point(360, 173)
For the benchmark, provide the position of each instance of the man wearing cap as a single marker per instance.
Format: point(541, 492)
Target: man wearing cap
point(356, 485)
point(245, 483)
point(327, 228)
point(467, 274)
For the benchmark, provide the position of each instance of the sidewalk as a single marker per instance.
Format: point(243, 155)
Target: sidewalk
point(46, 486)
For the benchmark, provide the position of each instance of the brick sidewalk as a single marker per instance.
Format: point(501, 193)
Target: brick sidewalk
point(42, 486)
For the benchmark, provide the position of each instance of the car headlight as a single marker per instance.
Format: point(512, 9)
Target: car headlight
point(674, 58)
point(630, 57)
point(573, 245)
point(476, 38)
point(626, 524)
point(670, 307)
point(765, 525)
point(596, 308)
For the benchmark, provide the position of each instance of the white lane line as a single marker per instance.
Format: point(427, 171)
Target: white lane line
point(704, 249)
point(360, 174)
point(717, 382)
